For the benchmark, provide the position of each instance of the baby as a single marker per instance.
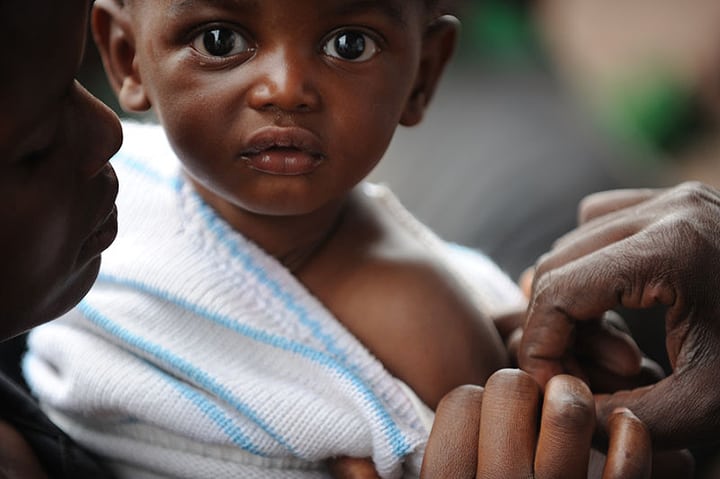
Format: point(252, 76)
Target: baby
point(265, 310)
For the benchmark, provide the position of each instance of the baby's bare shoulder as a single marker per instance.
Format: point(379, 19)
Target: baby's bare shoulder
point(423, 325)
point(403, 303)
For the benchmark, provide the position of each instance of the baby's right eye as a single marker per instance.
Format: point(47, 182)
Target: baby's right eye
point(220, 42)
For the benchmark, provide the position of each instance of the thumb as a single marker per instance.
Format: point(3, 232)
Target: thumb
point(680, 411)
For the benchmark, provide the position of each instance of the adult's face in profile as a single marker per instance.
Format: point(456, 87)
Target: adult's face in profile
point(57, 191)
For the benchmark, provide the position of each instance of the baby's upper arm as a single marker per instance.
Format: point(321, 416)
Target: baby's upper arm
point(423, 326)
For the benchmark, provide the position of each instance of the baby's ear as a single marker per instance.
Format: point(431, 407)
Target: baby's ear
point(114, 36)
point(438, 47)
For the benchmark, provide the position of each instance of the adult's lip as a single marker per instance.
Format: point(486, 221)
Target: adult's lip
point(105, 226)
point(289, 151)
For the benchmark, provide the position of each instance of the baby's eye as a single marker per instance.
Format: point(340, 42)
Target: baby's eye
point(220, 42)
point(351, 45)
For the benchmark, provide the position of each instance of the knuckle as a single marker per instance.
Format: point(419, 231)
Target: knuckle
point(694, 194)
point(551, 292)
point(692, 189)
point(587, 205)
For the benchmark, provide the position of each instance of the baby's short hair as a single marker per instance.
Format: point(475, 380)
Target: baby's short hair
point(438, 7)
point(434, 7)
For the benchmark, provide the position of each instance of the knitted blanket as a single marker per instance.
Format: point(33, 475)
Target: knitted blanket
point(198, 355)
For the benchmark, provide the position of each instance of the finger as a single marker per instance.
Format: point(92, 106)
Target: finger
point(600, 204)
point(608, 347)
point(352, 468)
point(507, 323)
point(452, 448)
point(508, 425)
point(512, 344)
point(590, 238)
point(526, 280)
point(680, 411)
point(613, 319)
point(583, 290)
point(604, 381)
point(673, 464)
point(550, 325)
point(610, 358)
point(630, 449)
point(568, 422)
point(623, 223)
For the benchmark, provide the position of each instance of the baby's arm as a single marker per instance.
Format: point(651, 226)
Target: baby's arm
point(422, 325)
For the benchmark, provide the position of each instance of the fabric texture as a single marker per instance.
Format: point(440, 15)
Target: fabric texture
point(198, 355)
point(59, 456)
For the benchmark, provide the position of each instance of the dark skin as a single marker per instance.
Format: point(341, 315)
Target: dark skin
point(493, 433)
point(639, 249)
point(57, 189)
point(285, 78)
point(511, 428)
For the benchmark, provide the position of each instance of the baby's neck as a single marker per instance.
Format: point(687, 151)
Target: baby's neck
point(299, 255)
point(292, 239)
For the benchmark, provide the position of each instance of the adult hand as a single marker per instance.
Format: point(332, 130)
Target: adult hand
point(607, 356)
point(638, 249)
point(492, 433)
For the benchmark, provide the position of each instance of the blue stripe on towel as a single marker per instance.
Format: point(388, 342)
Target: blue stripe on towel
point(394, 435)
point(180, 364)
point(216, 414)
point(219, 227)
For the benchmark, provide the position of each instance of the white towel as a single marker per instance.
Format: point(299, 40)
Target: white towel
point(198, 355)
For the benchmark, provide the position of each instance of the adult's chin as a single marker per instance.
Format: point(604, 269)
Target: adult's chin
point(74, 291)
point(65, 296)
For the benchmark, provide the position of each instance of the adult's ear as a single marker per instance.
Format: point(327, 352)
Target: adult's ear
point(115, 39)
point(439, 44)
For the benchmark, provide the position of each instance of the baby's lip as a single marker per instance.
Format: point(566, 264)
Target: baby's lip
point(268, 138)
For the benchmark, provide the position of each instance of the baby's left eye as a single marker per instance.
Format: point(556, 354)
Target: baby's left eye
point(221, 42)
point(351, 45)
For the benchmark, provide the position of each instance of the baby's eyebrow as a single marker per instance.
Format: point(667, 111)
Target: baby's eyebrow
point(389, 8)
point(180, 7)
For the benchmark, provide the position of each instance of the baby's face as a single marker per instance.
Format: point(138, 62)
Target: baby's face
point(279, 107)
point(57, 190)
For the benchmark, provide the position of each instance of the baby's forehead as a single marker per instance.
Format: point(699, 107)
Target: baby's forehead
point(387, 5)
point(401, 13)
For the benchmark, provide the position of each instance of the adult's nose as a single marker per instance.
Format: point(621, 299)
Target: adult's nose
point(101, 128)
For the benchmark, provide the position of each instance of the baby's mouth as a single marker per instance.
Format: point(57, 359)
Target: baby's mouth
point(282, 161)
point(283, 152)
